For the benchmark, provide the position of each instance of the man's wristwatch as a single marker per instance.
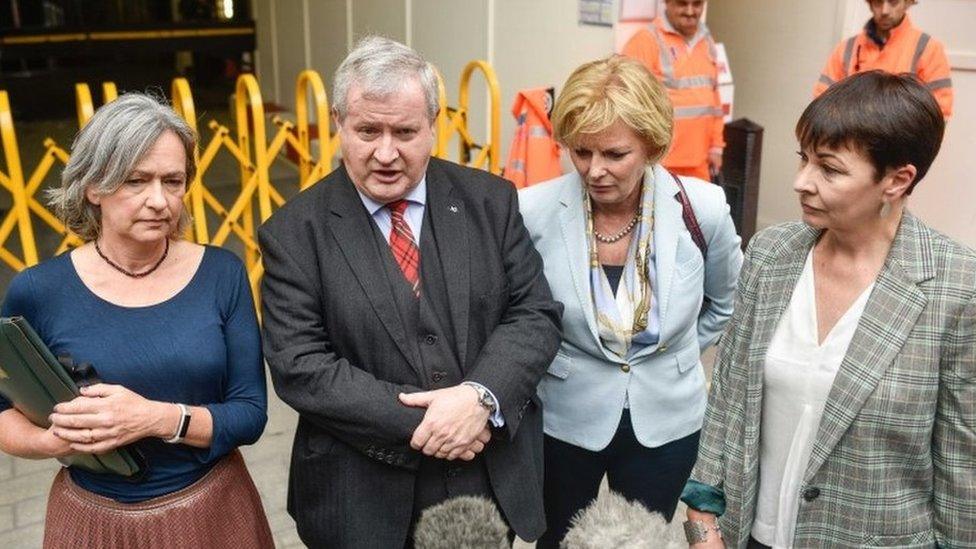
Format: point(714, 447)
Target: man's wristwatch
point(484, 398)
point(697, 531)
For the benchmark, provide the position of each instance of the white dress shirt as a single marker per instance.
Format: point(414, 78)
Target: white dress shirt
point(797, 378)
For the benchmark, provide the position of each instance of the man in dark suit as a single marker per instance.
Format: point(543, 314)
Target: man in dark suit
point(407, 320)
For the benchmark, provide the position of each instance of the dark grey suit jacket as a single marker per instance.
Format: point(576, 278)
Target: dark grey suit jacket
point(339, 353)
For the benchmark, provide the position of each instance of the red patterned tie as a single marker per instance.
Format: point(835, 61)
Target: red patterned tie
point(403, 246)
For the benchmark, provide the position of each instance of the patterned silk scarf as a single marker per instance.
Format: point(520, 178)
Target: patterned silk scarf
point(623, 318)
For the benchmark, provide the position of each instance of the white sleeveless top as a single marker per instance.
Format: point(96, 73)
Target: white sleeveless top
point(797, 378)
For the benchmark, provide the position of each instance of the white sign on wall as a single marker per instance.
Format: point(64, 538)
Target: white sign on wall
point(596, 12)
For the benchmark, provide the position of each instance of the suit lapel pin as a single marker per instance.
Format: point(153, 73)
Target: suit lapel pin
point(454, 209)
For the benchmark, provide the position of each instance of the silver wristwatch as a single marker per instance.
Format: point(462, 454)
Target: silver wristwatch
point(696, 531)
point(484, 397)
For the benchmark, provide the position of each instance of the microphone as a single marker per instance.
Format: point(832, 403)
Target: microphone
point(612, 521)
point(465, 522)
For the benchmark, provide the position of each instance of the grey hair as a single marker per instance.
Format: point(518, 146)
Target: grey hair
point(107, 150)
point(381, 66)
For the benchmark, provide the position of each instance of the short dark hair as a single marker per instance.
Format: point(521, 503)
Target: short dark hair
point(892, 118)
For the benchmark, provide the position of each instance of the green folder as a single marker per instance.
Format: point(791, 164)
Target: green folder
point(34, 381)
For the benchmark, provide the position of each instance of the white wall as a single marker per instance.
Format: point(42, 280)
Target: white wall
point(776, 51)
point(946, 199)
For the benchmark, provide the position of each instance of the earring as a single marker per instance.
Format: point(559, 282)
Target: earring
point(885, 209)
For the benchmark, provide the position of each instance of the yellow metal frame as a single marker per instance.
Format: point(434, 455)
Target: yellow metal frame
point(443, 123)
point(490, 150)
point(13, 181)
point(310, 171)
point(452, 121)
point(83, 100)
point(182, 99)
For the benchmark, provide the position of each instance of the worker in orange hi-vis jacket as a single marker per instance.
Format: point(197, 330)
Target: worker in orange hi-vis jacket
point(534, 154)
point(680, 51)
point(890, 42)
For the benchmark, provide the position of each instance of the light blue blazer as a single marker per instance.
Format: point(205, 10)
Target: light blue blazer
point(586, 388)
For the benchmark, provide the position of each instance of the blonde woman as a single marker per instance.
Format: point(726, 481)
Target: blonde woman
point(645, 291)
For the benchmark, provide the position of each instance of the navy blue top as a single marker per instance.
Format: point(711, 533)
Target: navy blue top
point(201, 347)
point(614, 273)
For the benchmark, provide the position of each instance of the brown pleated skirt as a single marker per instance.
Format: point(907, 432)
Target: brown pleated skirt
point(221, 510)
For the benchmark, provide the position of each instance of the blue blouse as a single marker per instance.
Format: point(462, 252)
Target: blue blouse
point(201, 347)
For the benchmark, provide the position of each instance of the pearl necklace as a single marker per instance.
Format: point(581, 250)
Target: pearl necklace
point(127, 272)
point(626, 230)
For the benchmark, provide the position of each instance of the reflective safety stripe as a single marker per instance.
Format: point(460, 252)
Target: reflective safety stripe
point(667, 70)
point(691, 82)
point(923, 42)
point(694, 112)
point(824, 79)
point(939, 84)
point(848, 53)
point(538, 131)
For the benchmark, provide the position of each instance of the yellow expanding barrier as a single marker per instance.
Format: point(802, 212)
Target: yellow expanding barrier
point(455, 120)
point(83, 100)
point(310, 169)
point(251, 149)
point(19, 216)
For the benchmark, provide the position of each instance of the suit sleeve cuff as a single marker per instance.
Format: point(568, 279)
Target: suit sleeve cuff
point(496, 419)
point(703, 497)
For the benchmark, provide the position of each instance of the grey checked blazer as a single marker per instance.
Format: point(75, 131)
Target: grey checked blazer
point(894, 462)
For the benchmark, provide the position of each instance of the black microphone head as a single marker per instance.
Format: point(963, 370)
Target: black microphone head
point(612, 521)
point(465, 522)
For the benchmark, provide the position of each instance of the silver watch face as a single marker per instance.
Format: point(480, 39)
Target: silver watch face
point(486, 401)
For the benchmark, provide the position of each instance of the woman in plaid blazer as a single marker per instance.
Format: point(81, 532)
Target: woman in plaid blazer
point(892, 460)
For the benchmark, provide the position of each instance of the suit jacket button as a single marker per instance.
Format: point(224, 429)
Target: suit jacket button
point(430, 339)
point(625, 368)
point(438, 376)
point(811, 493)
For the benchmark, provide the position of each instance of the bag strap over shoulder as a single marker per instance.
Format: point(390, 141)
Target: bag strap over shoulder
point(688, 215)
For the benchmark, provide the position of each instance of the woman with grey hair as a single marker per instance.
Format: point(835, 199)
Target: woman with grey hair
point(170, 328)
